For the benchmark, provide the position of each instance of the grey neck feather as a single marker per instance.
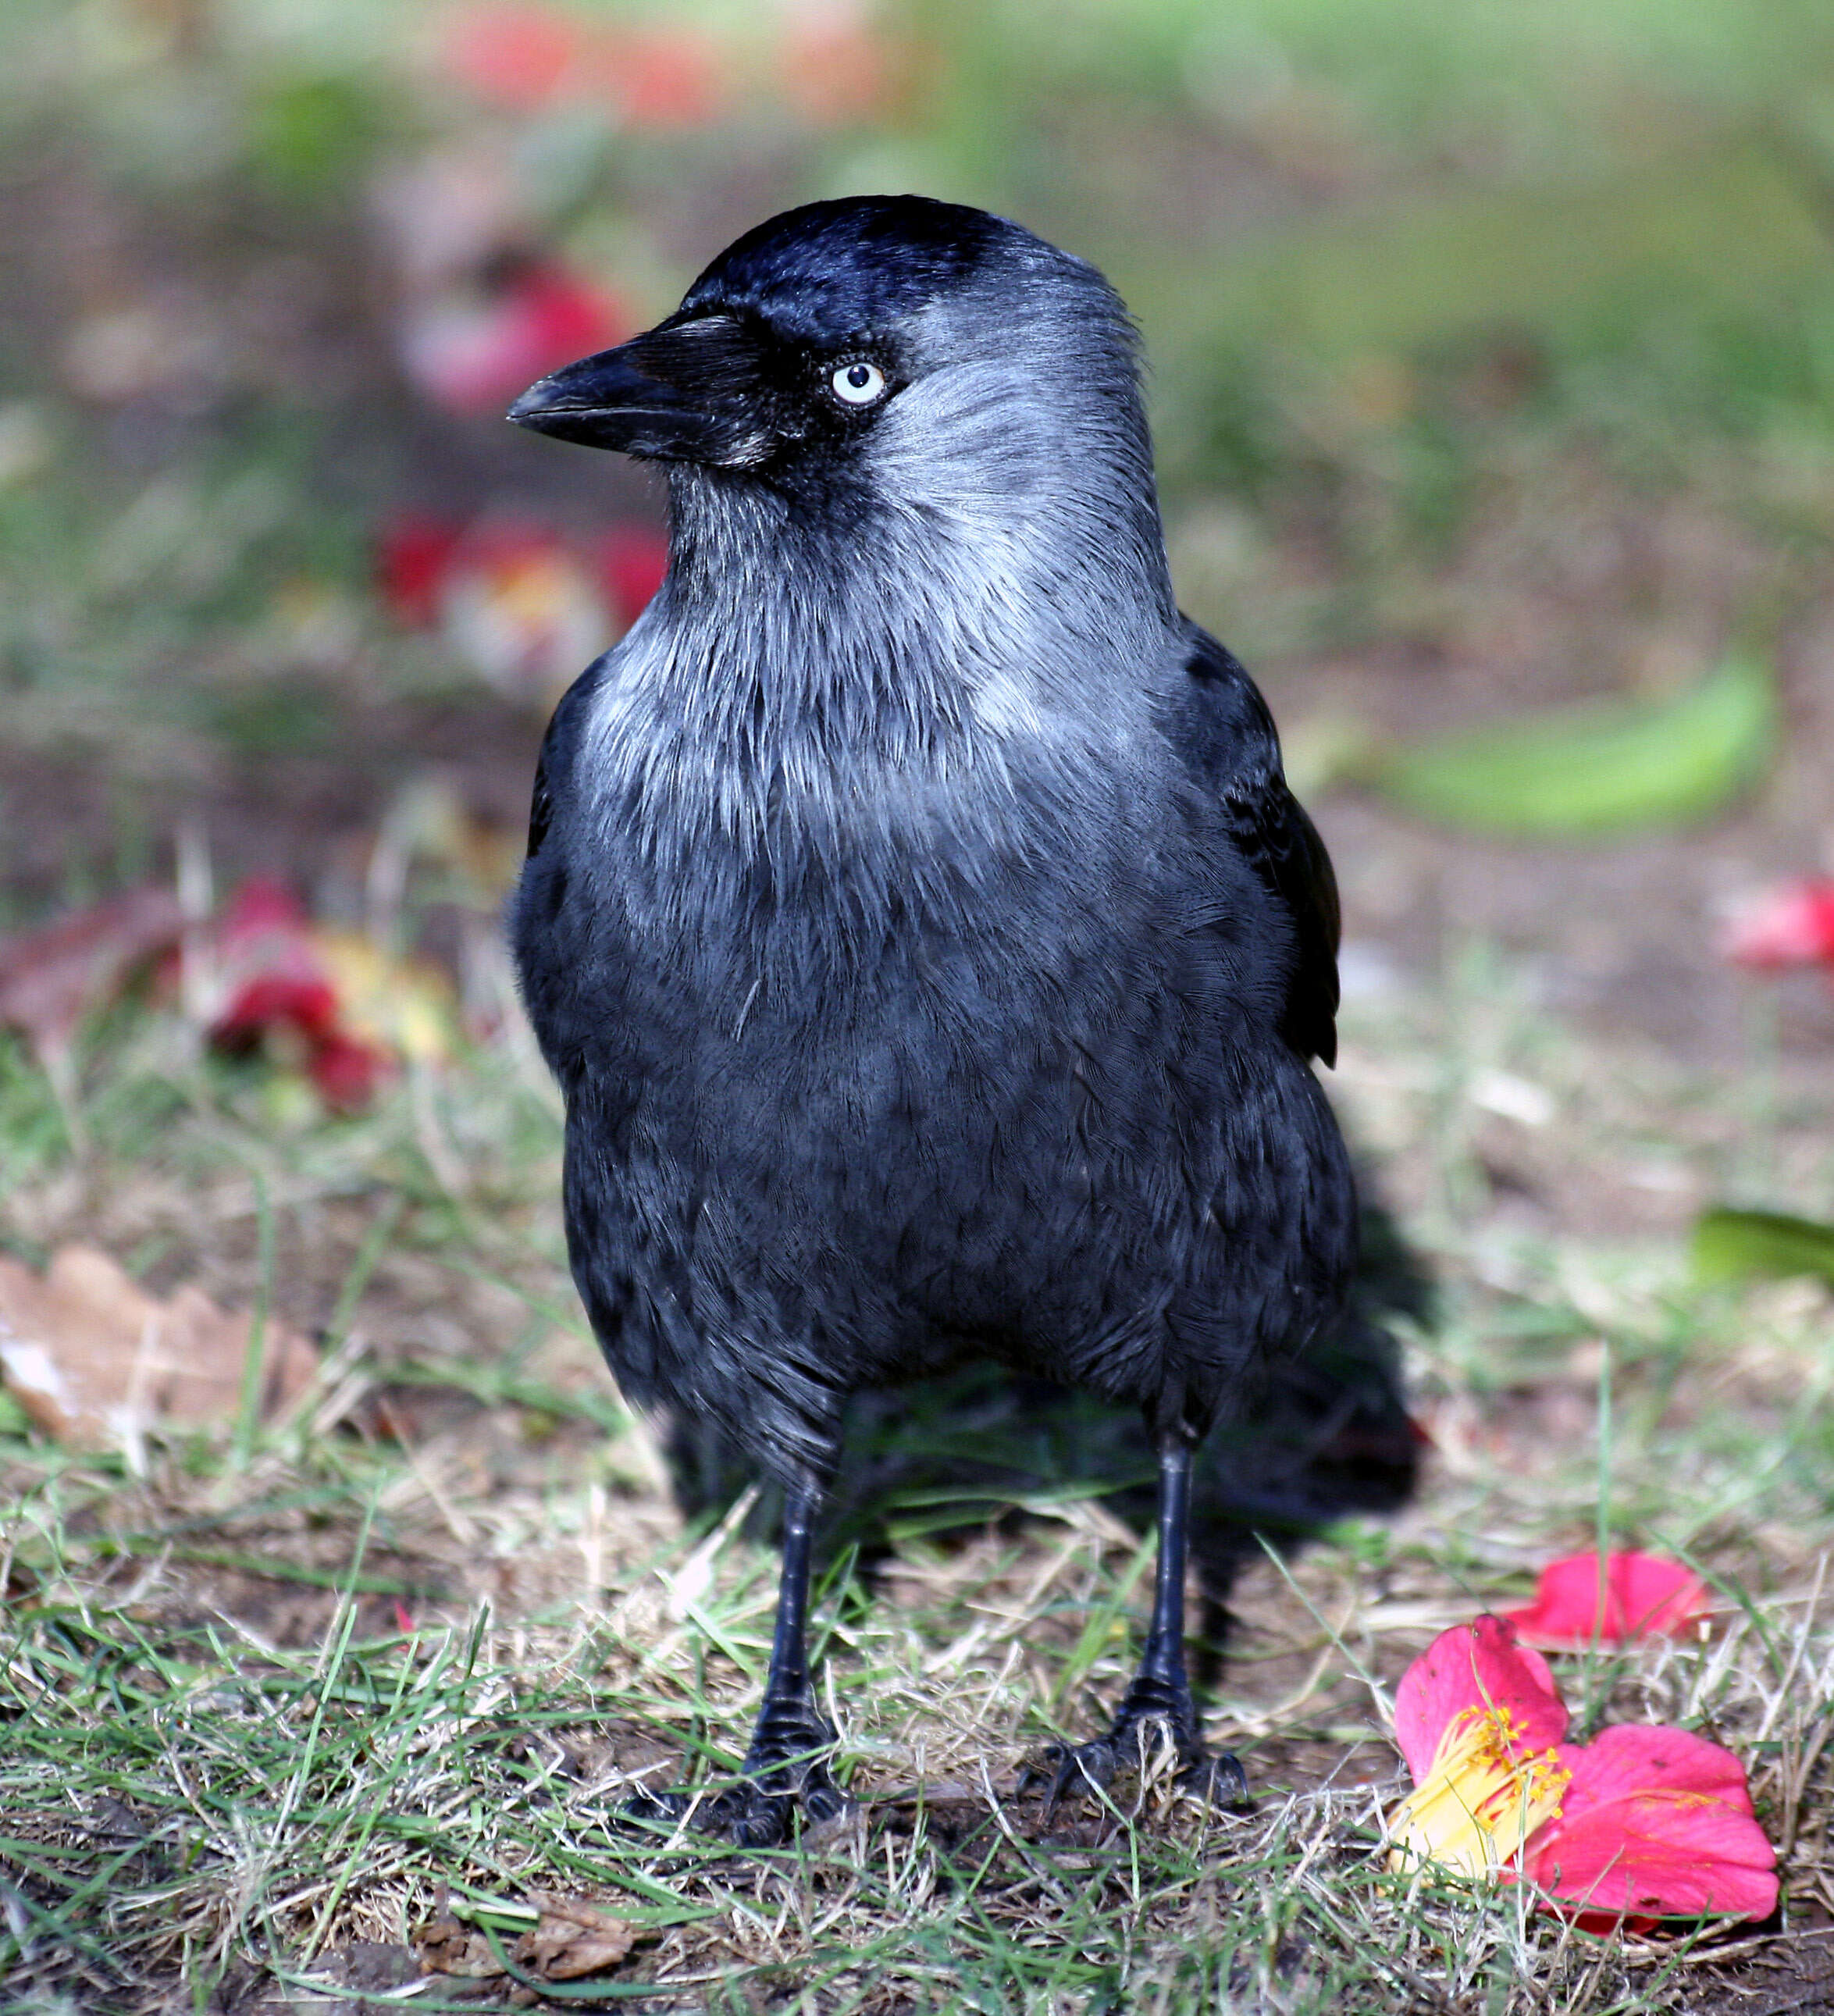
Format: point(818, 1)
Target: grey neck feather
point(926, 648)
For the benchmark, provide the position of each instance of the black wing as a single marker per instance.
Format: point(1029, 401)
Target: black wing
point(1224, 732)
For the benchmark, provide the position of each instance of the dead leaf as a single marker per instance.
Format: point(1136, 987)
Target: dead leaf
point(445, 1946)
point(572, 1938)
point(51, 977)
point(95, 1361)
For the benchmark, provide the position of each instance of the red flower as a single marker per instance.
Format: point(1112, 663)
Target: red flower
point(413, 556)
point(1477, 1717)
point(1790, 925)
point(663, 78)
point(525, 606)
point(520, 606)
point(1654, 1823)
point(270, 973)
point(323, 1002)
point(518, 56)
point(473, 353)
point(1578, 1603)
point(347, 1072)
point(833, 67)
point(526, 56)
point(1646, 1822)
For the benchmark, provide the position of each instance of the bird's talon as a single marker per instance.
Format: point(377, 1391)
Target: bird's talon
point(823, 1800)
point(1217, 1781)
point(655, 1809)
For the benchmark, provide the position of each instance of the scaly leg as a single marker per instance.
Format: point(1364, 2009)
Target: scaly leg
point(1160, 1697)
point(783, 1770)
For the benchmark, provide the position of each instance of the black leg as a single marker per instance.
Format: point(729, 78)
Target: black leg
point(783, 1771)
point(783, 1768)
point(1160, 1697)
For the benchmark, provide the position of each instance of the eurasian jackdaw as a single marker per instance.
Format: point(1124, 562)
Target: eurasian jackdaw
point(916, 916)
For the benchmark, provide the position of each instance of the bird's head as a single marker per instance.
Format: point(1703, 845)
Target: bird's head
point(888, 348)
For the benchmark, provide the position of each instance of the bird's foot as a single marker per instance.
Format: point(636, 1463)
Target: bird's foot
point(1158, 1720)
point(784, 1778)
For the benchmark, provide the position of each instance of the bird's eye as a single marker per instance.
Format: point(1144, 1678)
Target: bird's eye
point(858, 383)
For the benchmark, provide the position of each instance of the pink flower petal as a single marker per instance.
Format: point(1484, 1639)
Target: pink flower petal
point(1655, 1822)
point(518, 56)
point(1478, 1664)
point(1790, 925)
point(1637, 1595)
point(472, 352)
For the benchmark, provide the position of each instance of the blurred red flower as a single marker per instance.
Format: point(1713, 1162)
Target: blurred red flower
point(662, 78)
point(1790, 925)
point(632, 560)
point(474, 352)
point(326, 1002)
point(526, 57)
point(413, 556)
point(520, 56)
point(832, 65)
point(1646, 1822)
point(526, 607)
point(1579, 1601)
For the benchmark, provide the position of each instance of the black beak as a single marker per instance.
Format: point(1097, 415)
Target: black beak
point(688, 390)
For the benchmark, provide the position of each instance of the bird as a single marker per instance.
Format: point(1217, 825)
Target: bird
point(930, 952)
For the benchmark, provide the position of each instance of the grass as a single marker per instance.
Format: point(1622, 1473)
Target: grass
point(388, 1674)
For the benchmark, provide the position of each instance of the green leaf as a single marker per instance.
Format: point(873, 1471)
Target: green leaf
point(1614, 765)
point(1736, 1245)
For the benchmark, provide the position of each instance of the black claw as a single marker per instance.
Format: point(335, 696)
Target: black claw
point(1150, 1714)
point(783, 1776)
point(823, 1800)
point(1081, 1767)
point(1218, 1781)
point(655, 1809)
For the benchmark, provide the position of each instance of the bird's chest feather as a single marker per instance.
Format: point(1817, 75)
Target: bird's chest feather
point(854, 966)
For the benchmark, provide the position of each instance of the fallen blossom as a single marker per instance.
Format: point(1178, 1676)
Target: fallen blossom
point(328, 1002)
point(1578, 1603)
point(472, 348)
point(1790, 925)
point(1645, 1822)
point(1654, 1823)
point(524, 606)
point(1477, 1717)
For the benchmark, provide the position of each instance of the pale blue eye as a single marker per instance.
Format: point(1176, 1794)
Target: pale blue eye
point(858, 383)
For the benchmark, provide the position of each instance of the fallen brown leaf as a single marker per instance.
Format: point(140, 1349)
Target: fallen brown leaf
point(572, 1938)
point(51, 977)
point(95, 1361)
point(446, 1947)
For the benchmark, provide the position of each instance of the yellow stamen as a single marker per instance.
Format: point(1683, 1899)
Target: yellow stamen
point(1482, 1799)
